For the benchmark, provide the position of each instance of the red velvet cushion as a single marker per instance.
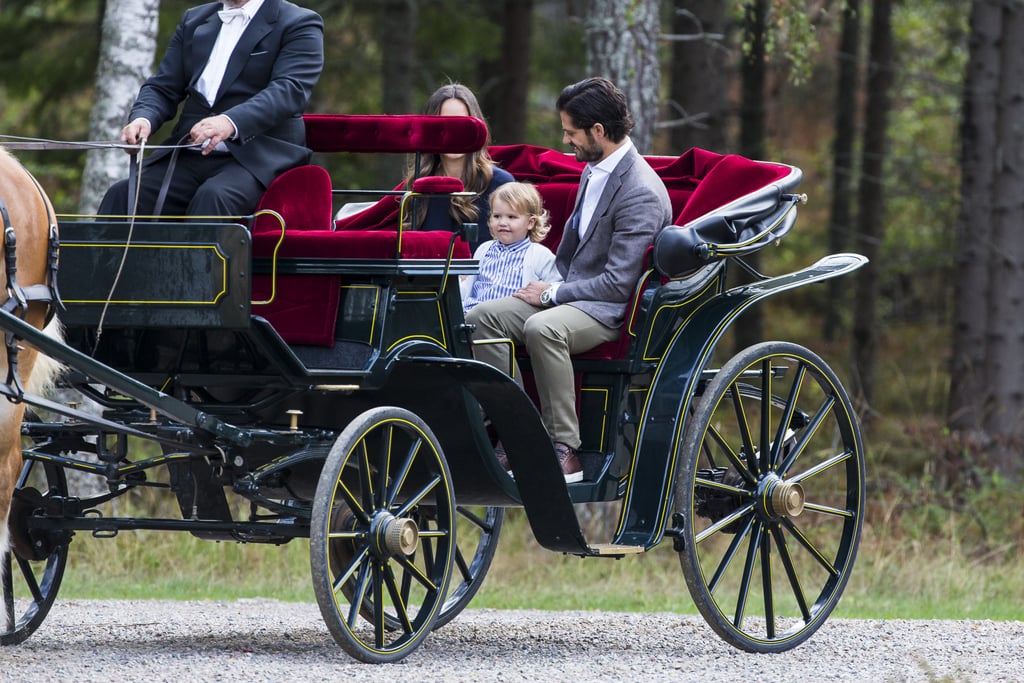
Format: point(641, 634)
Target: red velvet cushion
point(437, 184)
point(360, 244)
point(380, 216)
point(718, 179)
point(559, 199)
point(302, 195)
point(402, 134)
point(304, 309)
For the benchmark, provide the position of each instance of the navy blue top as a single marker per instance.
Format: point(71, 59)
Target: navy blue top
point(439, 217)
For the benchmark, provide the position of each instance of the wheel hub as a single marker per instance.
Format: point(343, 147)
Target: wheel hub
point(395, 535)
point(786, 499)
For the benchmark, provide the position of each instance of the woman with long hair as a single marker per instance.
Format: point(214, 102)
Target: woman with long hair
point(477, 171)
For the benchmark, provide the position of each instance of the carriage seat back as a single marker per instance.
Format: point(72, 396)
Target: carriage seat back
point(699, 183)
point(304, 308)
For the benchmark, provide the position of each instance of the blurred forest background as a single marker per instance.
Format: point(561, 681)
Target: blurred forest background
point(868, 97)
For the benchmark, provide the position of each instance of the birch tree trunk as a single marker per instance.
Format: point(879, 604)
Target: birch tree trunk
point(622, 45)
point(127, 51)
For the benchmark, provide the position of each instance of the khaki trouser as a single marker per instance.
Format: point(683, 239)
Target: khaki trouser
point(551, 336)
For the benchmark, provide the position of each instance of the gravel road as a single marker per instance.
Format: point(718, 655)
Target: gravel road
point(266, 640)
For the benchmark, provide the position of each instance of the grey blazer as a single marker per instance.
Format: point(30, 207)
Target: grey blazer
point(602, 270)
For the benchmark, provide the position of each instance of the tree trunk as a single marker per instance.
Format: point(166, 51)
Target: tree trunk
point(750, 328)
point(974, 254)
point(700, 77)
point(622, 45)
point(840, 221)
point(396, 23)
point(127, 52)
point(1003, 418)
point(505, 85)
point(871, 204)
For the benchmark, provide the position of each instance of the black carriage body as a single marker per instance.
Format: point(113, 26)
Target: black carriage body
point(192, 336)
point(327, 377)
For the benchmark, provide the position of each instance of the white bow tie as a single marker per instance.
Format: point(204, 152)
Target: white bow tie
point(229, 15)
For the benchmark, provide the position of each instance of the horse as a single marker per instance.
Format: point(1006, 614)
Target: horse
point(28, 211)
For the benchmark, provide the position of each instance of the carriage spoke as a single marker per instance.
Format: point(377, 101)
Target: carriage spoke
point(403, 472)
point(351, 502)
point(365, 476)
point(730, 455)
point(809, 431)
point(30, 579)
point(743, 427)
point(384, 466)
point(419, 496)
point(787, 415)
point(766, 585)
point(724, 522)
point(764, 461)
point(719, 486)
point(787, 563)
point(378, 599)
point(400, 599)
point(828, 510)
point(359, 593)
point(730, 555)
point(416, 573)
point(810, 547)
point(822, 466)
point(748, 570)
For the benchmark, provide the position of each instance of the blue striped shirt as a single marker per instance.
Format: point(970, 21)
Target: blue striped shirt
point(501, 272)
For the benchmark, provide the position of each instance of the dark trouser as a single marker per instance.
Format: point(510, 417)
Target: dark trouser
point(201, 186)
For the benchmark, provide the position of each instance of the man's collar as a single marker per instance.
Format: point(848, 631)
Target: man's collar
point(608, 164)
point(249, 9)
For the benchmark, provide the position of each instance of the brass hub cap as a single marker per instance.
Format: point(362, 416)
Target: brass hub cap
point(787, 499)
point(401, 536)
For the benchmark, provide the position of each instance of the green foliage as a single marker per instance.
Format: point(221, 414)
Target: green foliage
point(790, 35)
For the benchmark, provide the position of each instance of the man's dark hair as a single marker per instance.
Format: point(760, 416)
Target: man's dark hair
point(597, 100)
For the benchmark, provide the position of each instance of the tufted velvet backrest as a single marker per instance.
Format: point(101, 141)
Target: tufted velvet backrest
point(394, 134)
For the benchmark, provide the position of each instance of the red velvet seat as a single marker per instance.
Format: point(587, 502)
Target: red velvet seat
point(303, 308)
point(698, 182)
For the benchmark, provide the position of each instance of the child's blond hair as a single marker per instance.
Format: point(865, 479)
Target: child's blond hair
point(525, 199)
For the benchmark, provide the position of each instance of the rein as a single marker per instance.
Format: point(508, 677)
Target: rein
point(17, 142)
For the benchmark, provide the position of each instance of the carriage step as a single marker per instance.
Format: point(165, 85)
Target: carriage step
point(616, 549)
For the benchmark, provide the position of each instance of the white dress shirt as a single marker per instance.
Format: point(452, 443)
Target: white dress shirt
point(227, 39)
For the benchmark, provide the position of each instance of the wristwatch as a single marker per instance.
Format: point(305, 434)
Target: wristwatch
point(545, 297)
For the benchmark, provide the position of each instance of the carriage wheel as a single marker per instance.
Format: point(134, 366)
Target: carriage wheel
point(34, 565)
point(770, 497)
point(478, 529)
point(380, 574)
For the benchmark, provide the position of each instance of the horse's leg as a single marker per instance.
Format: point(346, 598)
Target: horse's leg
point(10, 462)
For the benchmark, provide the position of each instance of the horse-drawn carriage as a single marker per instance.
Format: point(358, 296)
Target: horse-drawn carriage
point(320, 371)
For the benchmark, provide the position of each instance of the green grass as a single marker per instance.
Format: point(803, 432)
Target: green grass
point(894, 577)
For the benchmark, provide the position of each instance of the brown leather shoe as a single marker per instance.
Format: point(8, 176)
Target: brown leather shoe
point(502, 456)
point(571, 467)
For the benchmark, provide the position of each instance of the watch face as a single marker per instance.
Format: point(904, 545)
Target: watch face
point(545, 297)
